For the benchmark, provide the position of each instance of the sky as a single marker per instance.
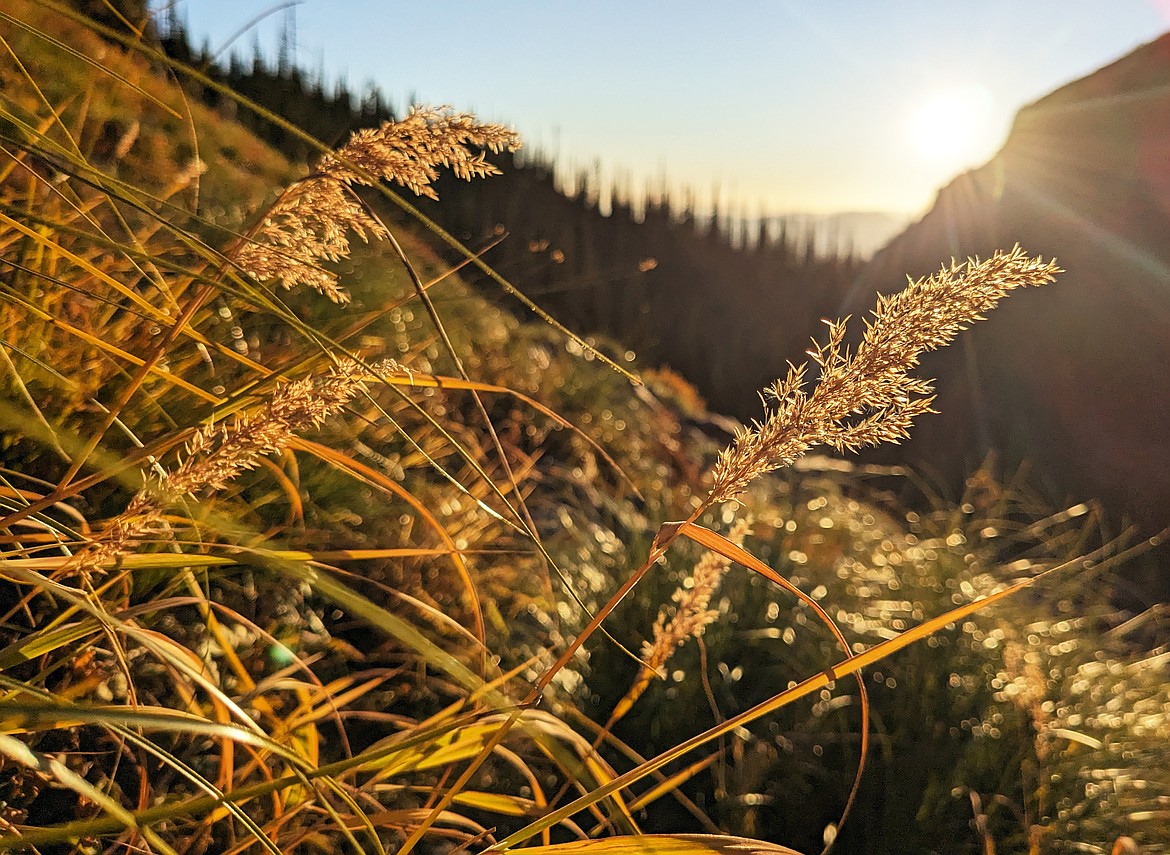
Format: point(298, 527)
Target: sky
point(771, 106)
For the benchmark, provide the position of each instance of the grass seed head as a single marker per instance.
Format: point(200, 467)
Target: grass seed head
point(311, 221)
point(868, 397)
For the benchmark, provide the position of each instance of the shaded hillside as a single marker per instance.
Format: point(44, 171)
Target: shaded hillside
point(1077, 373)
point(724, 308)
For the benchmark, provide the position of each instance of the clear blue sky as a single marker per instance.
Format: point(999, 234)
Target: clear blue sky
point(784, 105)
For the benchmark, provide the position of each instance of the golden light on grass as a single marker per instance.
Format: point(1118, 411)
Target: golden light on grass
point(227, 618)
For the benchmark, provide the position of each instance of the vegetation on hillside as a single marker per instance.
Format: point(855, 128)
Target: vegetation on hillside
point(287, 573)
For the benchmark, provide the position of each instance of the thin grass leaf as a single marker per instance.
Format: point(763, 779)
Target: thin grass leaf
point(167, 561)
point(97, 66)
point(133, 737)
point(504, 805)
point(93, 270)
point(717, 542)
point(111, 349)
point(20, 753)
point(377, 617)
point(200, 806)
point(660, 844)
point(27, 716)
point(671, 784)
point(43, 642)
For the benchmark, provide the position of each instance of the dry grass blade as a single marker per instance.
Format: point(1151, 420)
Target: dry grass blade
point(114, 351)
point(690, 617)
point(390, 486)
point(162, 560)
point(670, 785)
point(663, 844)
point(376, 616)
point(20, 753)
point(496, 803)
point(735, 552)
point(215, 456)
point(692, 613)
point(97, 66)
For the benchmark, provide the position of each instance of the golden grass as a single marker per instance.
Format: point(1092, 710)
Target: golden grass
point(278, 574)
point(311, 221)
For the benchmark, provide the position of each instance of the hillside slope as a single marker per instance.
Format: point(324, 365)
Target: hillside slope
point(1077, 374)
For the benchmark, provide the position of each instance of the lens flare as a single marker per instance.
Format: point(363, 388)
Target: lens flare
point(953, 126)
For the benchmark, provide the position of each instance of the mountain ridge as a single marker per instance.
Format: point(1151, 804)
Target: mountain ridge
point(1076, 373)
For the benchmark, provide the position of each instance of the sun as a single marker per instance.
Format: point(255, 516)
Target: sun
point(952, 126)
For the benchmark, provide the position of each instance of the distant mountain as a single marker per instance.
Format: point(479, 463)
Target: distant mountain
point(1075, 378)
point(861, 233)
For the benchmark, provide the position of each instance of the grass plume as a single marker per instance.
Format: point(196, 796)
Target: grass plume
point(692, 612)
point(217, 454)
point(312, 220)
point(868, 397)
